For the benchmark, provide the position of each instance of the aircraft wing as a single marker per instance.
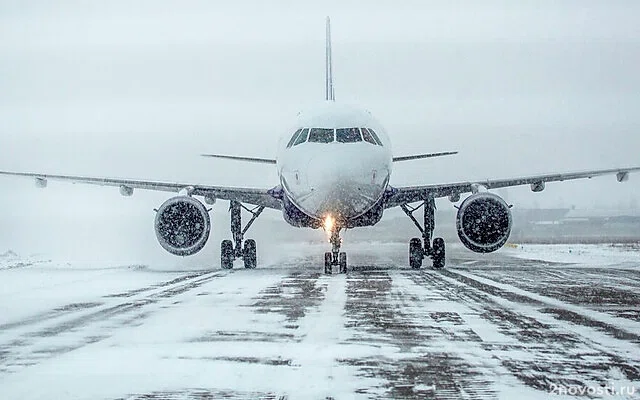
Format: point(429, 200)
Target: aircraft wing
point(259, 197)
point(410, 194)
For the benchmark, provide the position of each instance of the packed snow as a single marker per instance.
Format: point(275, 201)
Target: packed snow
point(501, 326)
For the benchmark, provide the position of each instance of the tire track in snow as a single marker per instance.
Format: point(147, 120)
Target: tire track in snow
point(612, 326)
point(203, 394)
point(50, 314)
point(292, 296)
point(603, 290)
point(71, 308)
point(31, 347)
point(457, 330)
point(321, 331)
point(380, 313)
point(541, 350)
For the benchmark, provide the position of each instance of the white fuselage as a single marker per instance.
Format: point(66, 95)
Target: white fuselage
point(343, 176)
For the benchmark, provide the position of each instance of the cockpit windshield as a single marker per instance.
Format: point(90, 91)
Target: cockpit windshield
point(367, 136)
point(321, 135)
point(348, 135)
point(328, 135)
point(373, 134)
point(294, 137)
point(302, 137)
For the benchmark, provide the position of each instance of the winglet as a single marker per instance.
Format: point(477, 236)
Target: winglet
point(329, 93)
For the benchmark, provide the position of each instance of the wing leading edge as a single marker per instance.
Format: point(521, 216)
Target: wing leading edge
point(261, 197)
point(410, 194)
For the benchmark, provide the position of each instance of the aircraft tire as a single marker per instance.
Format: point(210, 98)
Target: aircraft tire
point(328, 259)
point(438, 253)
point(226, 254)
point(343, 262)
point(416, 253)
point(250, 254)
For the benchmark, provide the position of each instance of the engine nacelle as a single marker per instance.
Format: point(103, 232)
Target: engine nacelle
point(484, 222)
point(182, 225)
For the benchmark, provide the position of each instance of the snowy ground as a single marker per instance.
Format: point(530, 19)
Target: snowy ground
point(528, 322)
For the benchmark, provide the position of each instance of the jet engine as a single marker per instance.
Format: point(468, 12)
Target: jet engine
point(182, 225)
point(484, 222)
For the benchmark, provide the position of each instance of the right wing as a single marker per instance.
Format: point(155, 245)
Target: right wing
point(411, 194)
point(269, 198)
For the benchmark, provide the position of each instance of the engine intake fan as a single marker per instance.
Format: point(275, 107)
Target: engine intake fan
point(484, 222)
point(182, 225)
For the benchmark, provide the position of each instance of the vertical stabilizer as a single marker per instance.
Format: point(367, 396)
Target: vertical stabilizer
point(329, 93)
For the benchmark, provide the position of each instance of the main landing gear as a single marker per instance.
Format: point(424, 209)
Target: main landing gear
point(230, 250)
point(335, 256)
point(421, 248)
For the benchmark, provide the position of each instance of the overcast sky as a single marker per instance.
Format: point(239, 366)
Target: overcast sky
point(140, 88)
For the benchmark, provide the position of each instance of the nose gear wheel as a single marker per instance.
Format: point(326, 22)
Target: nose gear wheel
point(335, 257)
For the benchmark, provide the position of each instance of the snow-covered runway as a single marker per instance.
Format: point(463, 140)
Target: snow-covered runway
point(523, 323)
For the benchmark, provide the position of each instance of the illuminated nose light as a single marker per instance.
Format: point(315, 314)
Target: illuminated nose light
point(329, 223)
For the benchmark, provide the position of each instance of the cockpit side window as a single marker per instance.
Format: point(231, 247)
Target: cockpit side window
point(367, 136)
point(302, 137)
point(293, 138)
point(348, 135)
point(375, 137)
point(321, 135)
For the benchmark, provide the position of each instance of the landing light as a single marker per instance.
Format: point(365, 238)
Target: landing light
point(329, 223)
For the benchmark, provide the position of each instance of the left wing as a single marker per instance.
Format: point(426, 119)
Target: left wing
point(410, 194)
point(261, 197)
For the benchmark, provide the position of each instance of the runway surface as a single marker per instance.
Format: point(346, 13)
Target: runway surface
point(532, 322)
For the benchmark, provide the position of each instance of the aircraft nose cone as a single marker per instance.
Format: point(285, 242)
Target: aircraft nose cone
point(341, 186)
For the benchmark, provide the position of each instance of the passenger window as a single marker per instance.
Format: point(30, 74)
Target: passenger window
point(348, 135)
point(375, 137)
point(302, 137)
point(367, 136)
point(293, 138)
point(321, 135)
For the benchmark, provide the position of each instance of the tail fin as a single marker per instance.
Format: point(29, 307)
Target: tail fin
point(329, 93)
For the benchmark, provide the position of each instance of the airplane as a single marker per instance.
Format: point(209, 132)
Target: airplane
point(334, 173)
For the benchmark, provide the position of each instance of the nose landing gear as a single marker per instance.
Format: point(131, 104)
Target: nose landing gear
point(335, 256)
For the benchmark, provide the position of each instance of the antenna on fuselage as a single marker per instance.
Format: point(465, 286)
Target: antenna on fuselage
point(329, 93)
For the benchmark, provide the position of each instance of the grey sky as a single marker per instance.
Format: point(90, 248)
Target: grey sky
point(139, 89)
